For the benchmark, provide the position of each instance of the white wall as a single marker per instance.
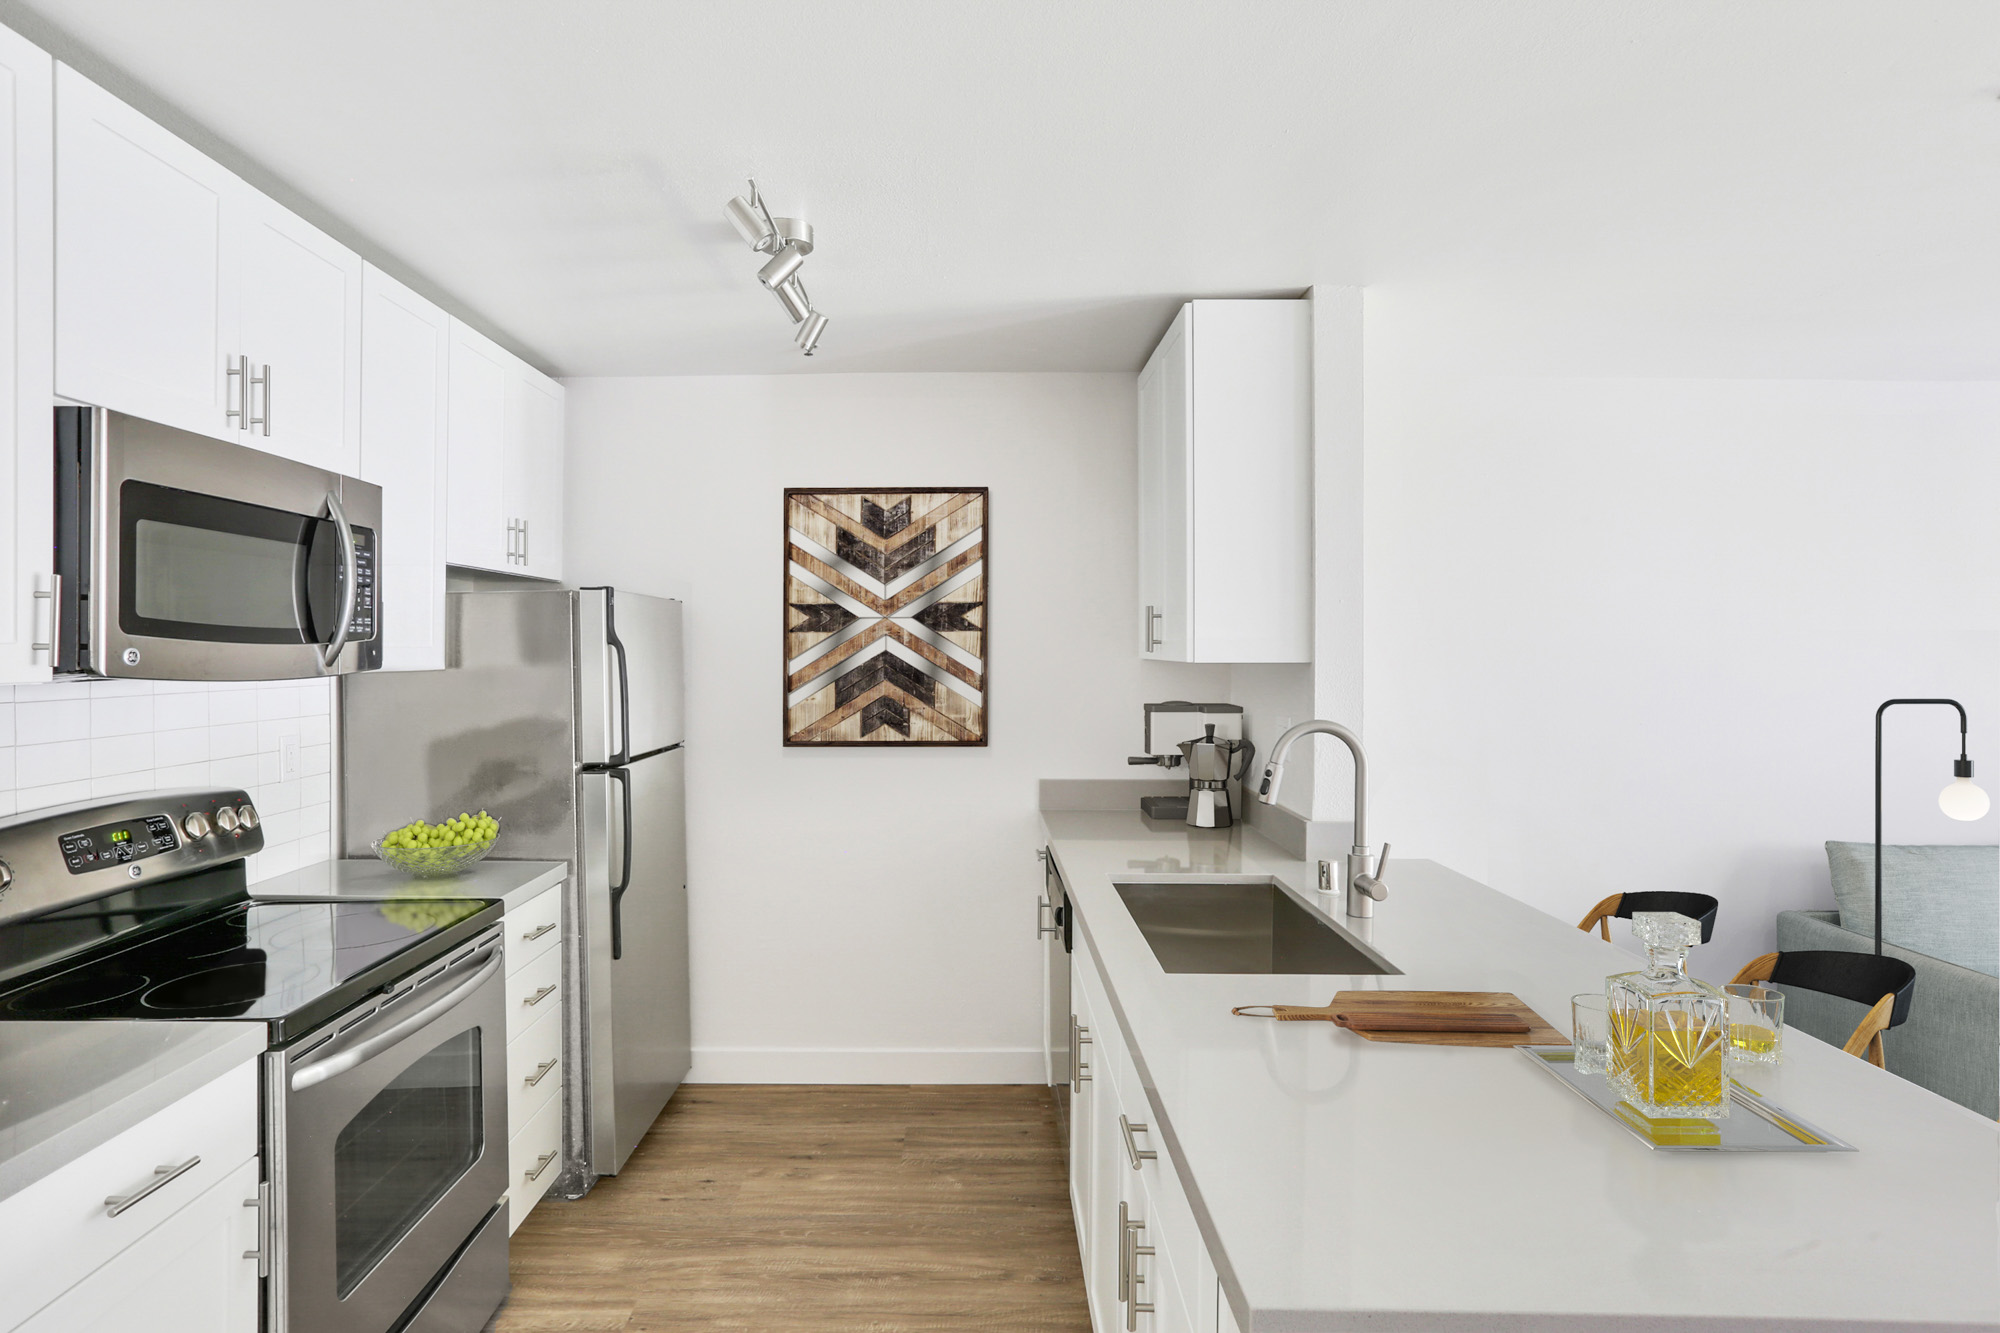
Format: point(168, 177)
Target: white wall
point(92, 740)
point(1628, 634)
point(868, 915)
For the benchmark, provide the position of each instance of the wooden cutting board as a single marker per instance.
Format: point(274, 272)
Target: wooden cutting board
point(1430, 1017)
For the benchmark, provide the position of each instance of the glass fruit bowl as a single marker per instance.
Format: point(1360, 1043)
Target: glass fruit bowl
point(420, 858)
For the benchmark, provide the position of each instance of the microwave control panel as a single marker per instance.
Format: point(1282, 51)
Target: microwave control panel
point(362, 625)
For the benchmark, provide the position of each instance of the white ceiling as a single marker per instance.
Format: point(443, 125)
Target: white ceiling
point(1033, 186)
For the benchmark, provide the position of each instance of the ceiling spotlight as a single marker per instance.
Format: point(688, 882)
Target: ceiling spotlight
point(808, 334)
point(788, 241)
point(782, 266)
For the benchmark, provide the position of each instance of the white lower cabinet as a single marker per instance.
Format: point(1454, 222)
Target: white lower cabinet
point(534, 1052)
point(1145, 1267)
point(147, 1230)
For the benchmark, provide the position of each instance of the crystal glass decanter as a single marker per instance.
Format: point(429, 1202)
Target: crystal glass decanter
point(1669, 1031)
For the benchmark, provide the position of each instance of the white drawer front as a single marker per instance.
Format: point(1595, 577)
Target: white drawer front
point(534, 990)
point(534, 1069)
point(60, 1228)
point(534, 928)
point(534, 1157)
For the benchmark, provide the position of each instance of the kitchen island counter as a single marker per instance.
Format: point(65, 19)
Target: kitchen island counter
point(1341, 1184)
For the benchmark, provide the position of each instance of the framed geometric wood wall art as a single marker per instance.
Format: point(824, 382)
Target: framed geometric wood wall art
point(885, 617)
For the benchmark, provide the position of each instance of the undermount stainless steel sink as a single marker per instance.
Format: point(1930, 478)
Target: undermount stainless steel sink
point(1257, 927)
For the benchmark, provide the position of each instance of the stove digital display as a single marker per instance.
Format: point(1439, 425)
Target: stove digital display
point(109, 844)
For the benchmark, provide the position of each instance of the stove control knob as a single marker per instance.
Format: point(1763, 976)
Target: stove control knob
point(225, 819)
point(246, 815)
point(6, 877)
point(195, 825)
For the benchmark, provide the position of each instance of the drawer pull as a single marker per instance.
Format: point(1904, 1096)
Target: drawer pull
point(541, 1072)
point(541, 1165)
point(1132, 1148)
point(538, 997)
point(162, 1177)
point(537, 933)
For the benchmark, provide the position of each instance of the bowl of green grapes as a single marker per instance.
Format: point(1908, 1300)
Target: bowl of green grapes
point(434, 851)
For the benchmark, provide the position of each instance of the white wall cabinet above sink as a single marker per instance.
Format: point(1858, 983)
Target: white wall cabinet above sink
point(1225, 485)
point(185, 296)
point(506, 432)
point(27, 280)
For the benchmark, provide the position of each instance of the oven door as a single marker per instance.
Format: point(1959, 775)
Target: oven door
point(394, 1148)
point(210, 560)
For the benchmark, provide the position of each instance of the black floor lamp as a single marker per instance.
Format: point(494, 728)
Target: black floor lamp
point(1961, 800)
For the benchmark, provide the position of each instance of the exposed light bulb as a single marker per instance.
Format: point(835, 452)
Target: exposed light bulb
point(1964, 800)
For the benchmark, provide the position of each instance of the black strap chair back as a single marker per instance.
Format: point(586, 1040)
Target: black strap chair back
point(1697, 906)
point(1883, 983)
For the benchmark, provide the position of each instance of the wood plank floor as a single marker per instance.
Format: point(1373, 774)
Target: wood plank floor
point(838, 1209)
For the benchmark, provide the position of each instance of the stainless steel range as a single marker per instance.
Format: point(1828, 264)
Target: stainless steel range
point(384, 1085)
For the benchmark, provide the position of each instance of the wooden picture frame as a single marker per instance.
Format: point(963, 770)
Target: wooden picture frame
point(885, 618)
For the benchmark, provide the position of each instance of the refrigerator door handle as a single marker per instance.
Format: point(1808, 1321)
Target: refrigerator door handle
point(623, 777)
point(623, 754)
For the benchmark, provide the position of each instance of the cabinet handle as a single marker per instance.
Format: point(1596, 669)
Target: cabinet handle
point(1152, 618)
point(1042, 926)
point(541, 1072)
point(538, 997)
point(1130, 1251)
point(541, 1165)
point(1079, 1037)
point(537, 933)
point(162, 1177)
point(524, 541)
point(1132, 1148)
point(248, 402)
point(238, 370)
point(262, 1254)
point(52, 595)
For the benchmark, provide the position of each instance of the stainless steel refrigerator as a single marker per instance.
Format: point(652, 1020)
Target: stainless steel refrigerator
point(561, 713)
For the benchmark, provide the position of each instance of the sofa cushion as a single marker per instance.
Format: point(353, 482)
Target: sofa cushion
point(1940, 901)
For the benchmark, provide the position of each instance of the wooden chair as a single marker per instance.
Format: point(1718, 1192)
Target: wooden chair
point(1699, 906)
point(1883, 983)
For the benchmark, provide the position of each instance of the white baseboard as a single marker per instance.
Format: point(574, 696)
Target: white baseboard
point(774, 1064)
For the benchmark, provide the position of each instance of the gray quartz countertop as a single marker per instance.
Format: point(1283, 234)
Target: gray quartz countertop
point(65, 1088)
point(1342, 1184)
point(512, 882)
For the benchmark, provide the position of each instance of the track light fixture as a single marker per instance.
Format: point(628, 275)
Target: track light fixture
point(788, 241)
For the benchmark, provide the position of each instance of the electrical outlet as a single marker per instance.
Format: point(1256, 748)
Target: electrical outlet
point(288, 759)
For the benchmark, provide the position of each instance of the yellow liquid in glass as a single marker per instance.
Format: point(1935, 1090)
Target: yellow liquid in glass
point(1752, 1038)
point(1675, 1064)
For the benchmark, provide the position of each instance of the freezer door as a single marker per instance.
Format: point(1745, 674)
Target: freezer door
point(629, 675)
point(635, 922)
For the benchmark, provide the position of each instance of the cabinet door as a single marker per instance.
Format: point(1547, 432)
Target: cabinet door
point(27, 282)
point(476, 428)
point(405, 380)
point(1166, 505)
point(187, 1275)
point(145, 305)
point(532, 485)
point(299, 294)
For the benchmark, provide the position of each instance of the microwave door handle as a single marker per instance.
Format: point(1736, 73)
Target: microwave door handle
point(352, 1053)
point(348, 582)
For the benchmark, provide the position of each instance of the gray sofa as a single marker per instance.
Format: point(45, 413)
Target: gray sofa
point(1951, 1044)
point(1940, 914)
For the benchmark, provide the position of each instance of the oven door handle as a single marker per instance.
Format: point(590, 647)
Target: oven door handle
point(350, 584)
point(352, 1050)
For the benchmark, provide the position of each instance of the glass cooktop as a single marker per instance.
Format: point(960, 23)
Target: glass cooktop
point(291, 965)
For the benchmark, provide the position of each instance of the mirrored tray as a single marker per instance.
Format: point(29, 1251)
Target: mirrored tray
point(1754, 1124)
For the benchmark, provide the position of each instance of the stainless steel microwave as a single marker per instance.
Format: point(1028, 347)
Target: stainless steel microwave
point(180, 557)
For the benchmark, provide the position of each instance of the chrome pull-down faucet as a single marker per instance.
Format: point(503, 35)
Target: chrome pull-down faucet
point(1364, 883)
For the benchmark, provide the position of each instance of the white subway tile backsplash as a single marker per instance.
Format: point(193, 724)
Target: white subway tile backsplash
point(121, 754)
point(41, 721)
point(58, 761)
point(84, 740)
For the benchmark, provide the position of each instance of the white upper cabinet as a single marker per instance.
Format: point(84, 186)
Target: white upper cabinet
point(27, 280)
point(145, 310)
point(1225, 485)
point(405, 382)
point(506, 432)
point(186, 297)
point(299, 297)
